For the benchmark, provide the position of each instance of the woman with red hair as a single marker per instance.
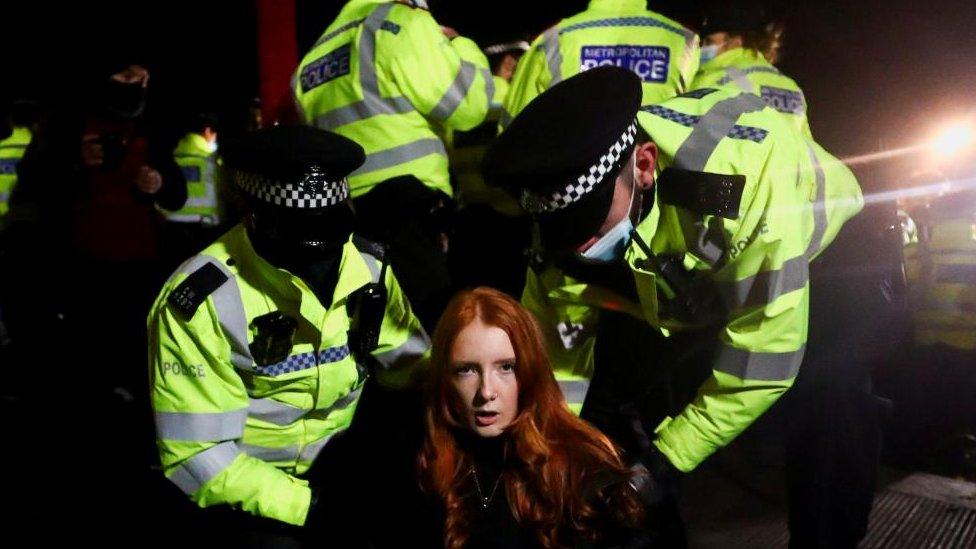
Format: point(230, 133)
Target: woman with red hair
point(508, 461)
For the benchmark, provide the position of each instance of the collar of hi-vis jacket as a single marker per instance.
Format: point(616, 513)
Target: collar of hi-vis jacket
point(354, 273)
point(736, 57)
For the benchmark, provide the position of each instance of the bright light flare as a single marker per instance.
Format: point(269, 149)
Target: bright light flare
point(953, 139)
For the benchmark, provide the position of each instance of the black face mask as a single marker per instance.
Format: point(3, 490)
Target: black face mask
point(124, 100)
point(296, 240)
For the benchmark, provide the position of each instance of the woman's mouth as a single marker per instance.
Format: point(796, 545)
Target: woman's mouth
point(484, 419)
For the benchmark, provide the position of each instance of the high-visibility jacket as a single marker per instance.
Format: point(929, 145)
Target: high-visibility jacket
point(941, 273)
point(384, 75)
point(467, 149)
point(753, 267)
point(11, 150)
point(749, 71)
point(231, 431)
point(662, 52)
point(199, 166)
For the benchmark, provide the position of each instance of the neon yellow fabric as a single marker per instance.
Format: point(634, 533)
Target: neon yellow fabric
point(941, 272)
point(609, 31)
point(384, 75)
point(199, 166)
point(232, 433)
point(11, 150)
point(796, 198)
point(749, 71)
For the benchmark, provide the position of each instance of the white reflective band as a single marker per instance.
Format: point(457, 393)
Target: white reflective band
point(273, 411)
point(312, 451)
point(192, 218)
point(204, 427)
point(574, 391)
point(201, 468)
point(409, 350)
point(401, 155)
point(374, 266)
point(554, 57)
point(208, 201)
point(342, 403)
point(367, 49)
point(711, 128)
point(741, 80)
point(819, 207)
point(766, 287)
point(230, 312)
point(370, 106)
point(490, 89)
point(265, 453)
point(758, 366)
point(4, 197)
point(456, 93)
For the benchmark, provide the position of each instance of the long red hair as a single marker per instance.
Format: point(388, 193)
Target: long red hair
point(551, 453)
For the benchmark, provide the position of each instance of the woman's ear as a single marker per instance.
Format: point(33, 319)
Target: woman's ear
point(646, 157)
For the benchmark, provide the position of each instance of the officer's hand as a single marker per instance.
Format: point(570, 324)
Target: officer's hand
point(92, 154)
point(654, 477)
point(149, 180)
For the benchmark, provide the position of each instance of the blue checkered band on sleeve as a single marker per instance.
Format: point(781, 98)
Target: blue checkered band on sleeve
point(304, 361)
point(585, 183)
point(750, 133)
point(313, 191)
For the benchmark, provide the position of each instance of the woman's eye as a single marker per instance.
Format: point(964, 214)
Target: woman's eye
point(508, 367)
point(463, 370)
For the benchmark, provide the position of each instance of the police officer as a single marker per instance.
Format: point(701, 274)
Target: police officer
point(740, 48)
point(934, 407)
point(21, 120)
point(261, 344)
point(718, 261)
point(624, 33)
point(195, 224)
point(386, 75)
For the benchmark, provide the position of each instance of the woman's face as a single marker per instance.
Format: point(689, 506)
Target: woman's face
point(483, 375)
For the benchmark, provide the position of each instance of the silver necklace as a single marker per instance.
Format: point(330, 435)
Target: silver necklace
point(485, 500)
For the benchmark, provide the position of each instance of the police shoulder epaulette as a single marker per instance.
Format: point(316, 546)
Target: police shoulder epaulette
point(366, 246)
point(702, 192)
point(193, 291)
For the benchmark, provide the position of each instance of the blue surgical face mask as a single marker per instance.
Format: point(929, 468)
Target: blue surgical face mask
point(612, 245)
point(710, 52)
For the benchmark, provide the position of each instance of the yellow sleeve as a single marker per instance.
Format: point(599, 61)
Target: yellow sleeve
point(200, 407)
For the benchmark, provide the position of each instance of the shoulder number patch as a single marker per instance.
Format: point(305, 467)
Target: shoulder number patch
point(193, 291)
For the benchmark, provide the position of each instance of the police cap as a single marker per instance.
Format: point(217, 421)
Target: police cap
point(295, 167)
point(561, 155)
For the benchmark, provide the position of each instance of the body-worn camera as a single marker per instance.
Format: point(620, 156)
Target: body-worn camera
point(274, 339)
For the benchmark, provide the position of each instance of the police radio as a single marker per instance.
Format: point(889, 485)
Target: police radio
point(694, 300)
point(367, 308)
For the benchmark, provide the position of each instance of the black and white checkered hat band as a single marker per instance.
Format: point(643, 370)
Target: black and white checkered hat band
point(293, 195)
point(585, 183)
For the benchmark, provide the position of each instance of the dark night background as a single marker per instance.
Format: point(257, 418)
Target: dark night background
point(876, 74)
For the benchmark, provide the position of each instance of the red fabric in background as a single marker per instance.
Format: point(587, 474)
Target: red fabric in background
point(277, 56)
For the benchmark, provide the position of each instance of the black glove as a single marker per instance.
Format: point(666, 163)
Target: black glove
point(654, 478)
